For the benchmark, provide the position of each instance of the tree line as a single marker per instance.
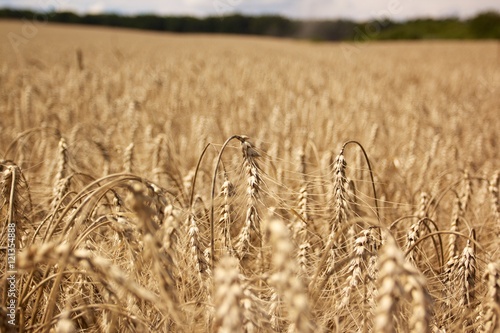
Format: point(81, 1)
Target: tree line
point(483, 25)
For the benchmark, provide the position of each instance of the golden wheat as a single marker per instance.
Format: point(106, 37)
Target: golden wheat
point(113, 142)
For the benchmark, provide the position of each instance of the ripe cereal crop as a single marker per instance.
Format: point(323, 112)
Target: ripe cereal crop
point(152, 182)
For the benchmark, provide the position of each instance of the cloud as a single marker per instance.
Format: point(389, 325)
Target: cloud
point(96, 8)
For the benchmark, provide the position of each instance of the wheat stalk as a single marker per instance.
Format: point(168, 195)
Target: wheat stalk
point(62, 162)
point(227, 192)
point(490, 321)
point(128, 158)
point(398, 280)
point(356, 266)
point(390, 289)
point(286, 280)
point(246, 242)
point(495, 206)
point(466, 192)
point(415, 288)
point(228, 295)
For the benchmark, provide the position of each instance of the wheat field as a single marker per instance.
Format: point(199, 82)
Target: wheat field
point(154, 182)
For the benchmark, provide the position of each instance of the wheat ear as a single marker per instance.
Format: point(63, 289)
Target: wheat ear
point(495, 206)
point(490, 321)
point(286, 280)
point(228, 295)
point(250, 235)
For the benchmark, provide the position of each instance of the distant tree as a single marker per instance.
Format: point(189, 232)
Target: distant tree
point(326, 30)
point(16, 14)
point(450, 28)
point(272, 25)
point(65, 17)
point(148, 22)
point(235, 23)
point(486, 25)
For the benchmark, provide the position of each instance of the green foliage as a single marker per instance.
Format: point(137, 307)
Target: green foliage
point(484, 25)
point(427, 29)
point(326, 30)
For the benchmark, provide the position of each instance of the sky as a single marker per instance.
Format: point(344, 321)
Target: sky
point(303, 9)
